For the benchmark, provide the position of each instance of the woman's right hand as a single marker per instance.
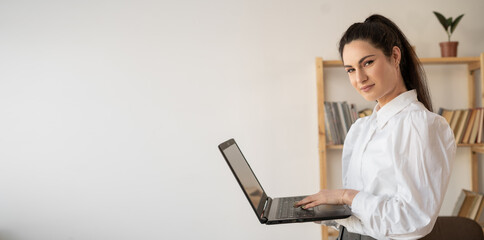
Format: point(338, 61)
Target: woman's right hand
point(327, 196)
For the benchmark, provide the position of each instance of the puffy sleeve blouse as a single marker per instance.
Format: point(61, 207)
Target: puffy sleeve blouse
point(400, 159)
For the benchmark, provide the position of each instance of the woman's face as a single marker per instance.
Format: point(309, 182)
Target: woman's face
point(372, 74)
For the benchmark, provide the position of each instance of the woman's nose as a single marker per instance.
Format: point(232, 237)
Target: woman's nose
point(361, 76)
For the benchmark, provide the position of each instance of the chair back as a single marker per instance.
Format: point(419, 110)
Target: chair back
point(455, 228)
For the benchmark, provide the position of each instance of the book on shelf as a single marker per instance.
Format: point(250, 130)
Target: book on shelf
point(365, 112)
point(454, 120)
point(475, 126)
point(467, 124)
point(354, 112)
point(336, 127)
point(327, 127)
point(469, 205)
point(347, 116)
point(339, 116)
point(467, 118)
point(461, 130)
point(332, 135)
point(480, 214)
point(480, 128)
point(446, 113)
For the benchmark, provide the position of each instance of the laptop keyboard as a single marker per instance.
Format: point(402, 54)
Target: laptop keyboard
point(286, 209)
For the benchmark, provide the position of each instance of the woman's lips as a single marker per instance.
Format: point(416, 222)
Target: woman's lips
point(367, 88)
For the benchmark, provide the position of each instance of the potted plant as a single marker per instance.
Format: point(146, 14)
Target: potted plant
point(449, 48)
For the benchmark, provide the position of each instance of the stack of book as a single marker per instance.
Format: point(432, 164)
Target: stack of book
point(365, 112)
point(470, 205)
point(339, 116)
point(467, 124)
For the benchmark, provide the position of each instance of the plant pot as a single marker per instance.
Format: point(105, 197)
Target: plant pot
point(448, 49)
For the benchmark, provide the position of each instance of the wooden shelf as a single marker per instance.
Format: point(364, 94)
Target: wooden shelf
point(339, 146)
point(446, 60)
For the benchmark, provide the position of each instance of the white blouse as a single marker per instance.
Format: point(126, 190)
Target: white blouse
point(400, 159)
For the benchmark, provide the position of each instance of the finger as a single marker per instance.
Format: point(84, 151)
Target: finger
point(311, 204)
point(304, 201)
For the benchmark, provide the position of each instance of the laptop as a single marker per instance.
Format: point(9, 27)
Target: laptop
point(274, 210)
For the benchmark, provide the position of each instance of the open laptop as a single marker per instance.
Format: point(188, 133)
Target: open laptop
point(277, 210)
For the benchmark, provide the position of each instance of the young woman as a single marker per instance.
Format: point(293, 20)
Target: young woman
point(396, 162)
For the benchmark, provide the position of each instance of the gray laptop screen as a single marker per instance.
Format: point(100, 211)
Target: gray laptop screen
point(245, 175)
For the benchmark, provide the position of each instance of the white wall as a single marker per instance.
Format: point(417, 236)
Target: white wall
point(111, 111)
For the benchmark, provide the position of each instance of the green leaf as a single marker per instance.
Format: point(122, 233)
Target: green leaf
point(454, 24)
point(442, 20)
point(449, 22)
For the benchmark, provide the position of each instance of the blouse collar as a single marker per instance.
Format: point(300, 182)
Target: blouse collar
point(396, 105)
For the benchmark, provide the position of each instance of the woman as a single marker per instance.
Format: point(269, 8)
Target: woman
point(396, 162)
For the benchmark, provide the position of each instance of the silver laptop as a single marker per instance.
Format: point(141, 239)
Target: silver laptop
point(277, 210)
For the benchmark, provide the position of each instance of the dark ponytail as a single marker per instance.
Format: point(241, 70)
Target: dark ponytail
point(383, 34)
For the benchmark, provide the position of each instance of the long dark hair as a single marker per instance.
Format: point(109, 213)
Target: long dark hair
point(383, 34)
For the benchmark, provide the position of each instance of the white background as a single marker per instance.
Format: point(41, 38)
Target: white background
point(111, 111)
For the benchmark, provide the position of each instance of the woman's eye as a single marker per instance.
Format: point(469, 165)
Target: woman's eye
point(350, 70)
point(368, 63)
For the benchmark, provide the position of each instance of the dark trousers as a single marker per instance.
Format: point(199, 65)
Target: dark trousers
point(345, 235)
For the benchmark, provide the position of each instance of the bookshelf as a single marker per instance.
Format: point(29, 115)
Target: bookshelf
point(474, 66)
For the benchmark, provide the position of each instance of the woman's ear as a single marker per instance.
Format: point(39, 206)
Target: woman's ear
point(396, 55)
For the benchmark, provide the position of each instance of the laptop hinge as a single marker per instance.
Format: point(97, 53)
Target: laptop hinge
point(265, 211)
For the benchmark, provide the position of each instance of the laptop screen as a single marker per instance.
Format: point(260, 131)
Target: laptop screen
point(246, 177)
